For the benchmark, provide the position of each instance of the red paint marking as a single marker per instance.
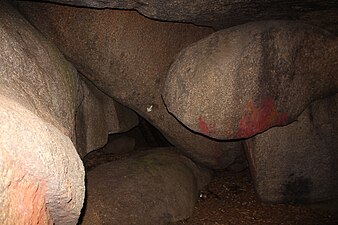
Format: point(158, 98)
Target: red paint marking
point(26, 197)
point(259, 119)
point(203, 126)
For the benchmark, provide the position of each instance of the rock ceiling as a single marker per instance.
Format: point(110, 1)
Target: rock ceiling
point(224, 13)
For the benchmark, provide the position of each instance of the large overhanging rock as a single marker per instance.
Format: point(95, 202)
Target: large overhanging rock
point(243, 80)
point(35, 73)
point(42, 176)
point(128, 57)
point(224, 13)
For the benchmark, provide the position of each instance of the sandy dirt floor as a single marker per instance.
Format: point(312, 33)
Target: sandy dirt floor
point(230, 200)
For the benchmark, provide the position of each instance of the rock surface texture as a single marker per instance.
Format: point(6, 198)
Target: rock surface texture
point(34, 72)
point(224, 13)
point(153, 187)
point(42, 177)
point(243, 80)
point(118, 144)
point(298, 163)
point(97, 116)
point(205, 91)
point(128, 57)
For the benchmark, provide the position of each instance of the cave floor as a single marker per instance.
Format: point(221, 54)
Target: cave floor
point(230, 199)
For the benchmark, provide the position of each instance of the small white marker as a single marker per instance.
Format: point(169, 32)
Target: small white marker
point(150, 108)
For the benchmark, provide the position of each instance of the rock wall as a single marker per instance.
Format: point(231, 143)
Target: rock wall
point(97, 116)
point(34, 72)
point(128, 57)
point(42, 176)
point(298, 163)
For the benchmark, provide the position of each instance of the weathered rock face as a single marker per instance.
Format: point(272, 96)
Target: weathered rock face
point(118, 144)
point(243, 80)
point(298, 162)
point(154, 187)
point(97, 116)
point(34, 73)
point(128, 56)
point(42, 176)
point(225, 13)
point(326, 19)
